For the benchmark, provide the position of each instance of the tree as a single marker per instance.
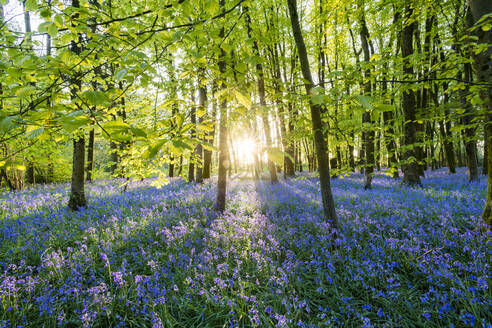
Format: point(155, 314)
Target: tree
point(77, 193)
point(481, 10)
point(223, 153)
point(410, 166)
point(319, 140)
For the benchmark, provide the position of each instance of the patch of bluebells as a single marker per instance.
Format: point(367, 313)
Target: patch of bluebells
point(163, 257)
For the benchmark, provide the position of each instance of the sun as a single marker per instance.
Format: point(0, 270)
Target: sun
point(246, 149)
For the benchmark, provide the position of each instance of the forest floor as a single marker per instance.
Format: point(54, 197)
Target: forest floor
point(162, 257)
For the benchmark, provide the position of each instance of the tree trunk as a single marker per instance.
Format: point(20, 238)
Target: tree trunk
point(207, 154)
point(30, 173)
point(410, 167)
point(368, 134)
point(483, 67)
point(202, 97)
point(263, 113)
point(468, 132)
point(389, 138)
point(445, 131)
point(290, 170)
point(90, 156)
point(485, 152)
point(171, 167)
point(77, 193)
point(191, 163)
point(223, 165)
point(468, 116)
point(113, 156)
point(321, 149)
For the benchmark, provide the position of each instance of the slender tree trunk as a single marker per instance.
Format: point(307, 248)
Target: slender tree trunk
point(51, 160)
point(77, 193)
point(299, 156)
point(290, 150)
point(468, 117)
point(419, 124)
point(445, 131)
point(321, 149)
point(30, 173)
point(410, 168)
point(485, 152)
point(368, 135)
point(232, 155)
point(207, 154)
point(468, 132)
point(202, 98)
point(191, 163)
point(113, 156)
point(90, 156)
point(174, 112)
point(171, 167)
point(223, 165)
point(263, 113)
point(181, 165)
point(29, 176)
point(389, 138)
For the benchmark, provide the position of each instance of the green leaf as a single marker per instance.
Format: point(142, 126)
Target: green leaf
point(31, 5)
point(25, 92)
point(52, 30)
point(276, 155)
point(204, 127)
point(43, 27)
point(244, 100)
point(20, 167)
point(179, 119)
point(153, 149)
point(58, 20)
point(33, 134)
point(365, 101)
point(384, 107)
point(208, 146)
point(137, 132)
point(120, 74)
point(73, 121)
point(318, 99)
point(116, 126)
point(200, 111)
point(96, 97)
point(7, 123)
point(178, 146)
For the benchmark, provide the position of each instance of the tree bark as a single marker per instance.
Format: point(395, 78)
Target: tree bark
point(263, 114)
point(468, 132)
point(30, 173)
point(389, 138)
point(207, 154)
point(410, 167)
point(368, 134)
point(290, 150)
point(191, 163)
point(467, 119)
point(202, 98)
point(485, 152)
point(483, 67)
point(90, 155)
point(223, 158)
point(77, 193)
point(321, 147)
